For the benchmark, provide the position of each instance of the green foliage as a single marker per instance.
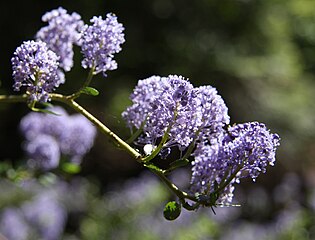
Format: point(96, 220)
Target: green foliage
point(90, 91)
point(70, 168)
point(172, 210)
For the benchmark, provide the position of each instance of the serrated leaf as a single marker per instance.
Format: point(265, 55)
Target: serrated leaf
point(90, 91)
point(172, 210)
point(70, 168)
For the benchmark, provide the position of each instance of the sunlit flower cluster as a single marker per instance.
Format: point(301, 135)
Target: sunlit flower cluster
point(171, 108)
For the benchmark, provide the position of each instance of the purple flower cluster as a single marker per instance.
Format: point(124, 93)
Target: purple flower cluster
point(43, 152)
point(172, 102)
point(62, 31)
point(207, 170)
point(213, 113)
point(171, 108)
point(37, 64)
point(13, 225)
point(49, 136)
point(245, 151)
point(41, 217)
point(47, 214)
point(100, 41)
point(36, 68)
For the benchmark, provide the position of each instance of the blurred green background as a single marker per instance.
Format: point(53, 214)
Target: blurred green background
point(260, 55)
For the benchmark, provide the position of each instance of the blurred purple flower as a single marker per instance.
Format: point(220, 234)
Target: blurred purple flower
point(43, 152)
point(13, 224)
point(34, 123)
point(100, 42)
point(48, 136)
point(46, 214)
point(78, 138)
point(35, 67)
point(60, 34)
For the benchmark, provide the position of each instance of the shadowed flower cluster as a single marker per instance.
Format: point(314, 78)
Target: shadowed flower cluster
point(171, 112)
point(42, 215)
point(49, 136)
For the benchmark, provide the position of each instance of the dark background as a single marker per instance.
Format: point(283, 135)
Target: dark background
point(260, 55)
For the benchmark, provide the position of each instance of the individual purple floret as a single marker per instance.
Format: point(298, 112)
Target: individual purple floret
point(62, 32)
point(43, 152)
point(161, 103)
point(100, 42)
point(246, 150)
point(36, 68)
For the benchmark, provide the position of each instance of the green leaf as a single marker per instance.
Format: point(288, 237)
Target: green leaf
point(179, 163)
point(172, 210)
point(70, 168)
point(153, 167)
point(90, 91)
point(45, 104)
point(44, 111)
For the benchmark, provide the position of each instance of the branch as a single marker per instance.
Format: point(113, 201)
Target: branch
point(13, 98)
point(180, 194)
point(111, 135)
point(114, 138)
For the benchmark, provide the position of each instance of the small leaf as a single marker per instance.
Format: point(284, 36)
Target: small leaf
point(90, 91)
point(45, 104)
point(71, 168)
point(172, 210)
point(45, 111)
point(153, 167)
point(179, 163)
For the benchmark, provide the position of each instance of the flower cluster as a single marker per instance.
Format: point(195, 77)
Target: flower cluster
point(166, 112)
point(42, 216)
point(171, 108)
point(99, 43)
point(62, 32)
point(36, 68)
point(46, 213)
point(37, 64)
point(171, 105)
point(246, 150)
point(49, 136)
